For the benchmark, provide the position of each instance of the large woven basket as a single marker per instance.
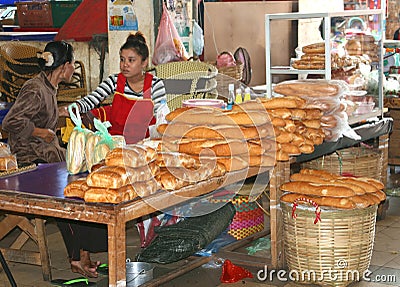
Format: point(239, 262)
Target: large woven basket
point(228, 75)
point(333, 252)
point(354, 161)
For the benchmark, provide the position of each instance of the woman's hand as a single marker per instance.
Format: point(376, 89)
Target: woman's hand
point(63, 111)
point(46, 134)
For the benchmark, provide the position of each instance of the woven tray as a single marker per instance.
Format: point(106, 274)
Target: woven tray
point(355, 161)
point(7, 173)
point(342, 242)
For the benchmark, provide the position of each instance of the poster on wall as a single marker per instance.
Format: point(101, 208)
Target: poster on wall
point(122, 15)
point(180, 11)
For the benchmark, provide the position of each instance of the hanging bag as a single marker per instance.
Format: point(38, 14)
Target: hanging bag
point(169, 46)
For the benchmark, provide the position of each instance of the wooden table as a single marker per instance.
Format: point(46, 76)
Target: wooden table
point(40, 193)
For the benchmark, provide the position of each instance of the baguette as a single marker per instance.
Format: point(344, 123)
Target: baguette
point(307, 88)
point(365, 185)
point(321, 173)
point(91, 141)
point(75, 156)
point(209, 116)
point(215, 132)
point(292, 102)
point(317, 189)
point(335, 202)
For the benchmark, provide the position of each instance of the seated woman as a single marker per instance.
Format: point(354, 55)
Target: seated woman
point(32, 120)
point(137, 94)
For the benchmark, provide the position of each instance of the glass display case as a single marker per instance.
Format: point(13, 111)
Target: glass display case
point(357, 37)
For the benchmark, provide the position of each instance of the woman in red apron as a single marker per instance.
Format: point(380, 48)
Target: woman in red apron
point(137, 96)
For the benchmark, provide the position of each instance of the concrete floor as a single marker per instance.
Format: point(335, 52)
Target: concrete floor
point(385, 259)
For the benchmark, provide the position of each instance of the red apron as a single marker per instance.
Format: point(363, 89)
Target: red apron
point(130, 118)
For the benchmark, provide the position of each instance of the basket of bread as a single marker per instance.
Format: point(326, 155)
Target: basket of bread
point(329, 226)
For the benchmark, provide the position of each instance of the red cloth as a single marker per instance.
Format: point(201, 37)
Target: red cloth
point(232, 273)
point(89, 18)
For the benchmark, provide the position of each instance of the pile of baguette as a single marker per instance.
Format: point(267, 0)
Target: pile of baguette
point(323, 95)
point(236, 139)
point(331, 190)
point(297, 129)
point(312, 59)
point(126, 173)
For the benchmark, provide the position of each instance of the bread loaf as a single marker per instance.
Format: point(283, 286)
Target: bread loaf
point(317, 189)
point(366, 186)
point(127, 156)
point(76, 188)
point(115, 177)
point(8, 162)
point(140, 188)
point(321, 173)
point(169, 181)
point(108, 195)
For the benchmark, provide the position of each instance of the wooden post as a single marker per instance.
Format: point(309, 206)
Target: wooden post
point(279, 175)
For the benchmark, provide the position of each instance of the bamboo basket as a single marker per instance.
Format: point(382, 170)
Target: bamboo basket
point(354, 161)
point(228, 75)
point(335, 251)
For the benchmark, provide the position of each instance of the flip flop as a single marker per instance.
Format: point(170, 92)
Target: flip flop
point(76, 282)
point(102, 269)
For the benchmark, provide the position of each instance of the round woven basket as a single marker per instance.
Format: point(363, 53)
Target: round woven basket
point(228, 75)
point(333, 252)
point(355, 161)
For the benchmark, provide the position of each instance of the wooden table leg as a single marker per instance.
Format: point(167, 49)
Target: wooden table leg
point(279, 175)
point(43, 249)
point(117, 253)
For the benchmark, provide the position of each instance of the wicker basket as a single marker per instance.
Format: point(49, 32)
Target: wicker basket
point(228, 75)
point(332, 252)
point(355, 161)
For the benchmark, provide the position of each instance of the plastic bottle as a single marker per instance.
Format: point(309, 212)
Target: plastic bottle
point(247, 94)
point(238, 98)
point(231, 96)
point(162, 111)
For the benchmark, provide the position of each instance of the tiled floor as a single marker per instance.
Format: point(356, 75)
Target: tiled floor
point(385, 262)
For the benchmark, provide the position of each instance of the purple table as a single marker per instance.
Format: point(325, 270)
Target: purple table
point(40, 192)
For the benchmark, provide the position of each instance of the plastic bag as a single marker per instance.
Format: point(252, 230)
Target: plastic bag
point(105, 144)
point(198, 39)
point(169, 46)
point(75, 156)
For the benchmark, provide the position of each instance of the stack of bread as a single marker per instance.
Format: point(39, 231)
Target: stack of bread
point(236, 139)
point(363, 45)
point(296, 128)
point(312, 59)
point(324, 95)
point(331, 190)
point(8, 161)
point(126, 173)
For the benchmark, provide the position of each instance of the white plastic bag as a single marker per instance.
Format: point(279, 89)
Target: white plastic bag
point(198, 39)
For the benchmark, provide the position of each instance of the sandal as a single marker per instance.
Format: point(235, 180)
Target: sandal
point(77, 282)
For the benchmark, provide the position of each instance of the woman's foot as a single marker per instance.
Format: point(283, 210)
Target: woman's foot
point(85, 270)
